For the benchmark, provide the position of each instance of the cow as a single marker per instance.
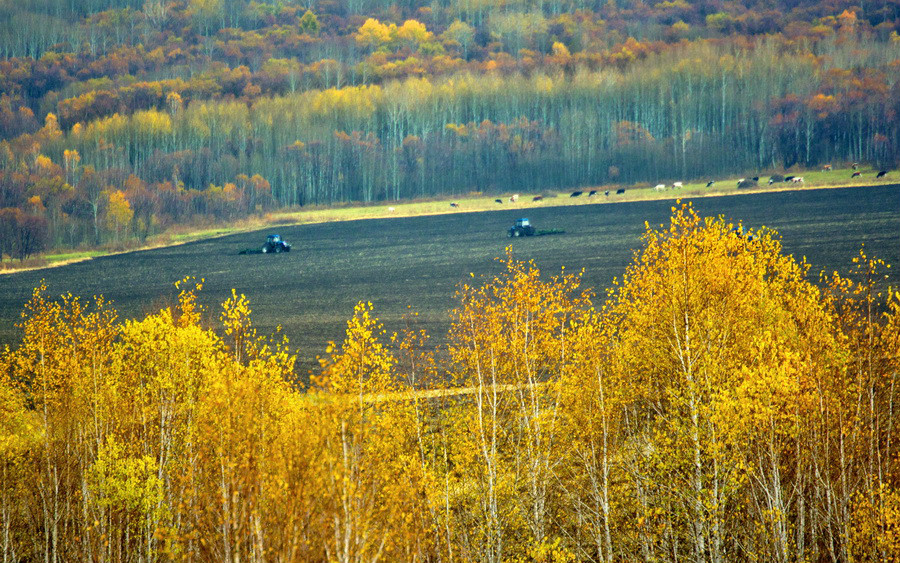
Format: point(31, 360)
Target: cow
point(710, 183)
point(789, 178)
point(677, 185)
point(391, 209)
point(606, 193)
point(756, 178)
point(826, 168)
point(537, 198)
point(855, 165)
point(856, 174)
point(620, 191)
point(881, 174)
point(454, 204)
point(659, 187)
point(797, 179)
point(498, 201)
point(576, 194)
point(593, 193)
point(514, 198)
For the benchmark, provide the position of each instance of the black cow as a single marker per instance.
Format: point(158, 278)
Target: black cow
point(593, 193)
point(756, 178)
point(576, 194)
point(881, 174)
point(709, 184)
point(856, 174)
point(537, 198)
point(498, 201)
point(789, 178)
point(454, 204)
point(620, 191)
point(606, 193)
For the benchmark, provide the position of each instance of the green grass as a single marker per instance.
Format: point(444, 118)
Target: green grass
point(72, 256)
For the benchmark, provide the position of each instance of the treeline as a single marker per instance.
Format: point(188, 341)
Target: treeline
point(698, 112)
point(714, 406)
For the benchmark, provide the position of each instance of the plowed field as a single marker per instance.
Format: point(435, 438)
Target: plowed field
point(418, 262)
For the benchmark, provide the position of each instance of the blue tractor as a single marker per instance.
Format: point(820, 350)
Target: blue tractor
point(276, 244)
point(522, 228)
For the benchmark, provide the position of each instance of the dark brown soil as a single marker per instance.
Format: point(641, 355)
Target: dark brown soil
point(418, 262)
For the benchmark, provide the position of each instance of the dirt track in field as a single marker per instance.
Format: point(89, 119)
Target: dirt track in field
point(417, 262)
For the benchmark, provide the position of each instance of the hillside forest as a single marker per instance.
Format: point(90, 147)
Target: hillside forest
point(121, 118)
point(712, 406)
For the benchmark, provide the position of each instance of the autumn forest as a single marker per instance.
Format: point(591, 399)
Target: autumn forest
point(119, 119)
point(718, 403)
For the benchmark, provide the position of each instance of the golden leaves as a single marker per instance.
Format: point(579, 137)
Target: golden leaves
point(363, 364)
point(373, 33)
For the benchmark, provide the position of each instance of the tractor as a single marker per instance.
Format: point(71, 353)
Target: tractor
point(522, 228)
point(276, 244)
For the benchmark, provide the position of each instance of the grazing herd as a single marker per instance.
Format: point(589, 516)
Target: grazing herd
point(539, 198)
point(742, 183)
point(856, 173)
point(778, 178)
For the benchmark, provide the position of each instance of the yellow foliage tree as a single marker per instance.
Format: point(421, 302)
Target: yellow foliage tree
point(118, 212)
point(374, 34)
point(717, 335)
point(413, 33)
point(509, 345)
point(375, 487)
